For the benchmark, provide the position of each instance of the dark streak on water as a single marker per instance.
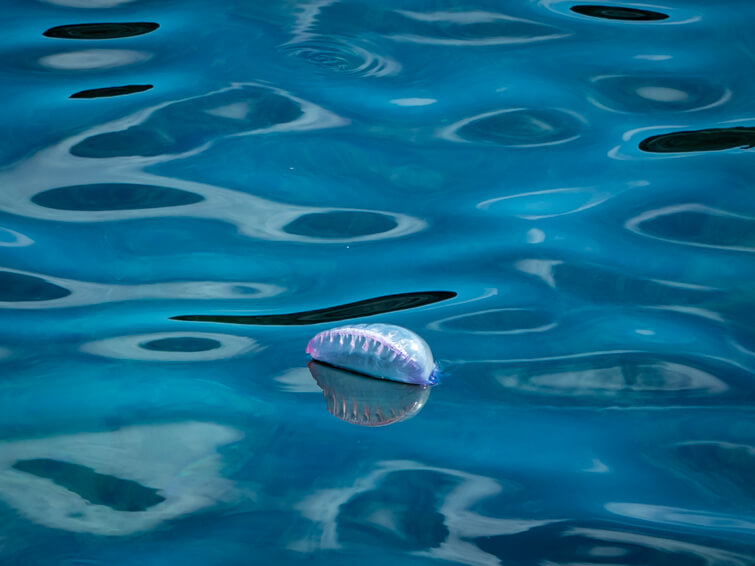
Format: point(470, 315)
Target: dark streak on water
point(110, 91)
point(183, 344)
point(368, 307)
point(17, 287)
point(110, 30)
point(114, 196)
point(713, 139)
point(618, 13)
point(98, 489)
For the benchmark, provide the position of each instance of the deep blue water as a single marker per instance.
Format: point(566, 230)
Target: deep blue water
point(559, 197)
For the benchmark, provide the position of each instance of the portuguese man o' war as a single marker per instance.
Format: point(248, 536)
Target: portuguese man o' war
point(385, 351)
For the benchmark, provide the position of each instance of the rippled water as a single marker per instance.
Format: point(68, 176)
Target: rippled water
point(557, 196)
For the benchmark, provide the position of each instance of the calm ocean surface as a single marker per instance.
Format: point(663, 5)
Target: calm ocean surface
point(559, 197)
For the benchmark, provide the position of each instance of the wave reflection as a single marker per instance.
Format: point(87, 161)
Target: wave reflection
point(173, 347)
point(82, 483)
point(697, 225)
point(517, 127)
point(623, 380)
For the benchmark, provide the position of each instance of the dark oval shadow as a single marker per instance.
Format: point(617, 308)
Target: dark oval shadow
point(17, 287)
point(96, 488)
point(109, 30)
point(109, 91)
point(618, 13)
point(358, 309)
point(712, 139)
point(340, 224)
point(181, 344)
point(367, 401)
point(114, 196)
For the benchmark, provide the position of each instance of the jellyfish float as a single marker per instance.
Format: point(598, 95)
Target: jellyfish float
point(383, 351)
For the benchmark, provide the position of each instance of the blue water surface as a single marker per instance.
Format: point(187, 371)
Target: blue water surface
point(558, 196)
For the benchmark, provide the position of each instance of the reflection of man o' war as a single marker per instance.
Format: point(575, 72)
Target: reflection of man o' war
point(378, 350)
point(173, 347)
point(131, 144)
point(367, 402)
point(367, 307)
point(116, 483)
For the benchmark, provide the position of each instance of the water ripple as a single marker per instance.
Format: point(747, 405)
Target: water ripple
point(342, 56)
point(624, 380)
point(697, 225)
point(517, 127)
point(174, 347)
point(646, 94)
point(470, 28)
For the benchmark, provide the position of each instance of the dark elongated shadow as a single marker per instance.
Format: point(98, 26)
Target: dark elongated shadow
point(99, 489)
point(109, 91)
point(712, 139)
point(358, 309)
